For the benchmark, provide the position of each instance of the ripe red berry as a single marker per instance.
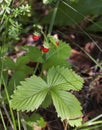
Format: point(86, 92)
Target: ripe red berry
point(44, 49)
point(35, 37)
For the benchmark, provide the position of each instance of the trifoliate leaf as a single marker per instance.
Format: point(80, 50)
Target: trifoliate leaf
point(64, 79)
point(67, 106)
point(30, 94)
point(33, 92)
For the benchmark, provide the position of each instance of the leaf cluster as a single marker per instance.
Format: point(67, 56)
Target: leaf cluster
point(52, 87)
point(50, 81)
point(33, 91)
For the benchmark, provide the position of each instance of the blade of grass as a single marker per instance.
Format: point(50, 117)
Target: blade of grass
point(78, 24)
point(18, 119)
point(7, 114)
point(85, 53)
point(4, 125)
point(53, 17)
point(96, 127)
point(8, 99)
point(91, 124)
point(23, 124)
point(3, 104)
point(75, 10)
point(93, 121)
point(11, 111)
point(92, 58)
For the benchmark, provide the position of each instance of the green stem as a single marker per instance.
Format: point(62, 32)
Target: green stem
point(12, 115)
point(53, 17)
point(45, 37)
point(7, 114)
point(92, 58)
point(94, 121)
point(7, 95)
point(5, 128)
point(18, 118)
point(23, 123)
point(96, 118)
point(37, 65)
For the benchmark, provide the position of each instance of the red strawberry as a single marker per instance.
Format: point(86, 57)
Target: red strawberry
point(35, 37)
point(44, 49)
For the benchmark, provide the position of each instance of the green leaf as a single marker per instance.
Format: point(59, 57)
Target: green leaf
point(64, 79)
point(5, 77)
point(22, 60)
point(60, 79)
point(21, 65)
point(67, 106)
point(95, 27)
point(24, 69)
point(74, 12)
point(19, 71)
point(30, 94)
point(86, 8)
point(57, 56)
point(34, 119)
point(33, 92)
point(47, 102)
point(76, 121)
point(34, 54)
point(9, 63)
point(3, 48)
point(18, 76)
point(65, 16)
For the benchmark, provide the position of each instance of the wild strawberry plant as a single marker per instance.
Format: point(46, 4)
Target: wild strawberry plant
point(56, 83)
point(48, 82)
